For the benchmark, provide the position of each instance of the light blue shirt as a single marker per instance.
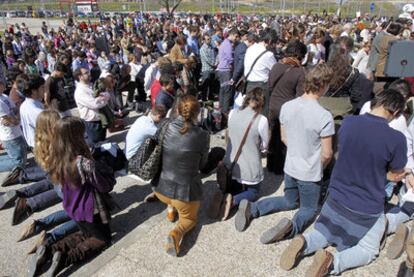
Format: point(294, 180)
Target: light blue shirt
point(193, 44)
point(29, 111)
point(143, 128)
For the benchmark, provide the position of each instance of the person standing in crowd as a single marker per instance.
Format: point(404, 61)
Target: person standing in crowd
point(225, 71)
point(306, 130)
point(177, 54)
point(355, 224)
point(89, 106)
point(248, 173)
point(84, 181)
point(185, 151)
point(208, 56)
point(286, 83)
point(56, 96)
point(135, 68)
point(239, 55)
point(392, 34)
point(265, 59)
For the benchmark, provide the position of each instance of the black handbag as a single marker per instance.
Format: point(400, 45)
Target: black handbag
point(146, 163)
point(224, 174)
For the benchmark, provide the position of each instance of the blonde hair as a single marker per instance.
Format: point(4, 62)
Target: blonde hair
point(44, 135)
point(188, 108)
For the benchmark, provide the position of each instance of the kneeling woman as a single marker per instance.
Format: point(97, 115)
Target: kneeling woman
point(84, 183)
point(185, 152)
point(248, 172)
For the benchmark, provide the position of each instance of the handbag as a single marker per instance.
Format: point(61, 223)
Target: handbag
point(224, 174)
point(146, 163)
point(241, 85)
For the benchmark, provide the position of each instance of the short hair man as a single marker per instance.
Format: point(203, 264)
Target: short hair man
point(143, 128)
point(352, 216)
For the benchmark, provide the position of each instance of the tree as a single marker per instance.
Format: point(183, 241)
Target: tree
point(170, 5)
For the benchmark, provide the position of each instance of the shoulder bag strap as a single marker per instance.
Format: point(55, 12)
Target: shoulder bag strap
point(243, 141)
point(251, 68)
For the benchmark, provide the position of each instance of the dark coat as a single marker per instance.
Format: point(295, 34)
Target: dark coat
point(285, 88)
point(182, 158)
point(358, 88)
point(239, 53)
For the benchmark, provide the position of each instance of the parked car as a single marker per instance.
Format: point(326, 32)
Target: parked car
point(11, 14)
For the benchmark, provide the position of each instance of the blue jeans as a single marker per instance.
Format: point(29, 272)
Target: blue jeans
point(298, 194)
point(16, 154)
point(69, 226)
point(40, 195)
point(241, 191)
point(363, 253)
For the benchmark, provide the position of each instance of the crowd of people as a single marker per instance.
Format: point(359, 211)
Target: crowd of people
point(307, 95)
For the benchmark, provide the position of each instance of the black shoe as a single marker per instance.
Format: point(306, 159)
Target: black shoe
point(36, 261)
point(243, 216)
point(55, 266)
point(13, 178)
point(7, 198)
point(21, 211)
point(278, 232)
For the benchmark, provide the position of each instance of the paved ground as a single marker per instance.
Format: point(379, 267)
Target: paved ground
point(140, 229)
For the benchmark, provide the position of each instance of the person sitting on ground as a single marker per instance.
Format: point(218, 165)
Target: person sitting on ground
point(143, 128)
point(185, 151)
point(84, 181)
point(11, 137)
point(309, 151)
point(355, 225)
point(166, 95)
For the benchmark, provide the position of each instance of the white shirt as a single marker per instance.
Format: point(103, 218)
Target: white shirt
point(261, 69)
point(143, 128)
point(7, 108)
point(318, 52)
point(135, 68)
point(29, 111)
point(88, 105)
point(361, 62)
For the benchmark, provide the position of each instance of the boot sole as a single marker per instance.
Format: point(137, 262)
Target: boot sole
point(226, 206)
point(35, 261)
point(6, 198)
point(320, 264)
point(290, 256)
point(276, 233)
point(53, 269)
point(397, 245)
point(242, 217)
point(172, 251)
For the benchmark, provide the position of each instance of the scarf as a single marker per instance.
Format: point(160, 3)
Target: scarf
point(291, 61)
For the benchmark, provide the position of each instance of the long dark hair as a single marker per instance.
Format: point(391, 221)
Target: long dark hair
point(69, 143)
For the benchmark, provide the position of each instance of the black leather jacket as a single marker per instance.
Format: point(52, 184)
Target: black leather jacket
point(182, 158)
